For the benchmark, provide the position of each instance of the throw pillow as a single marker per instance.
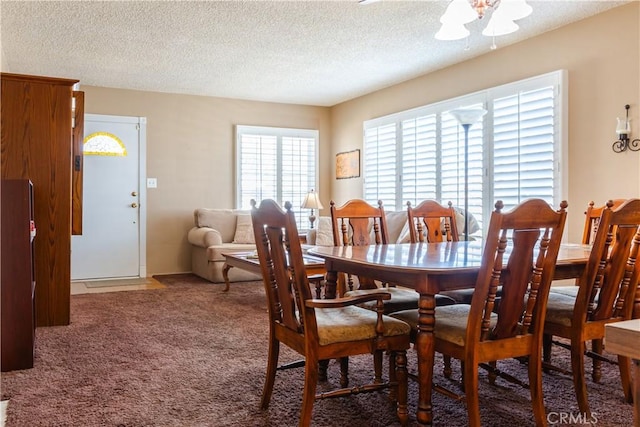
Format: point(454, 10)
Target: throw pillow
point(244, 230)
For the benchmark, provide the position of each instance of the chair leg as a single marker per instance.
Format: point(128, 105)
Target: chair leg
point(535, 387)
point(624, 364)
point(309, 392)
point(401, 392)
point(323, 365)
point(492, 374)
point(471, 392)
point(446, 371)
point(344, 372)
point(377, 366)
point(596, 373)
point(579, 383)
point(272, 365)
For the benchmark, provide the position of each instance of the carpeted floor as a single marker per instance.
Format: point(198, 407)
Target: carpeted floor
point(191, 355)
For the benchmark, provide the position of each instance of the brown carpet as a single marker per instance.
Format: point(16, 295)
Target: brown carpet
point(191, 355)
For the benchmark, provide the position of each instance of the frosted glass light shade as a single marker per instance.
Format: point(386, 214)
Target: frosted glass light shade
point(623, 127)
point(452, 32)
point(468, 116)
point(459, 12)
point(515, 9)
point(499, 25)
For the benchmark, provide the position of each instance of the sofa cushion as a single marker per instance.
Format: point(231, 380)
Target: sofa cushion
point(244, 230)
point(396, 221)
point(223, 220)
point(324, 233)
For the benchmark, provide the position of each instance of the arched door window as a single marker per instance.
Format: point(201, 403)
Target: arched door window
point(103, 144)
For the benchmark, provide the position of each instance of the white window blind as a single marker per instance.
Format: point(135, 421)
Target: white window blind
point(278, 164)
point(514, 152)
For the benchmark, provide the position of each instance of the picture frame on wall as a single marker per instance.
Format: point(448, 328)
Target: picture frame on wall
point(348, 164)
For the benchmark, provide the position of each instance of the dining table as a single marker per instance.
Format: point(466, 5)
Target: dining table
point(428, 268)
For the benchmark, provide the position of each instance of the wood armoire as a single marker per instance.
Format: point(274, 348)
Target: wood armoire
point(41, 140)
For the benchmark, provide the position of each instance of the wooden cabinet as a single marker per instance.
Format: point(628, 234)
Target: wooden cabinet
point(17, 275)
point(37, 144)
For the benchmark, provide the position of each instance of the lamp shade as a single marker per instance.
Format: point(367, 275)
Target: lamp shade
point(468, 116)
point(312, 201)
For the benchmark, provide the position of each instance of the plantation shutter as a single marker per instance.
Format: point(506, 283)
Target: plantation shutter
point(278, 164)
point(524, 146)
point(380, 171)
point(419, 159)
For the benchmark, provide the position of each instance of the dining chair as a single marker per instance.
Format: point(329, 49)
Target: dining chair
point(530, 234)
point(606, 293)
point(358, 223)
point(592, 219)
point(320, 329)
point(429, 221)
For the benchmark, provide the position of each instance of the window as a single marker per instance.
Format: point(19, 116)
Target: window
point(278, 164)
point(515, 152)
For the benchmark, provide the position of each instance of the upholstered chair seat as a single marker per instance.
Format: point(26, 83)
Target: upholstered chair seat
point(353, 324)
point(451, 321)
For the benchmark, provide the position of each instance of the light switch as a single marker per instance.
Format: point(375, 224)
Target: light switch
point(152, 182)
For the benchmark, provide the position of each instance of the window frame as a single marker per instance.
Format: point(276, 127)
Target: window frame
point(279, 133)
point(557, 79)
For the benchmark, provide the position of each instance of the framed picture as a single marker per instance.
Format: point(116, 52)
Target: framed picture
point(348, 164)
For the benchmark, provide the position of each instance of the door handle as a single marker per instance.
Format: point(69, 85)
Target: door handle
point(134, 205)
point(133, 193)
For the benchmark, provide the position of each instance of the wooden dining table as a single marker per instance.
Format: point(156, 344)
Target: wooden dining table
point(429, 268)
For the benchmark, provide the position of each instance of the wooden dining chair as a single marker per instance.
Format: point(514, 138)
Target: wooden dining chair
point(320, 329)
point(474, 333)
point(592, 219)
point(605, 294)
point(431, 222)
point(357, 223)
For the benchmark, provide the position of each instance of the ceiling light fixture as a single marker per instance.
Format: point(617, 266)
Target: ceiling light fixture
point(461, 12)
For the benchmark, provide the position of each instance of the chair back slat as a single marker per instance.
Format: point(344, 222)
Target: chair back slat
point(431, 222)
point(530, 234)
point(283, 271)
point(610, 282)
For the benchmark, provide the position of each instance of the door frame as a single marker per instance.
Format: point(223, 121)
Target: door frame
point(141, 122)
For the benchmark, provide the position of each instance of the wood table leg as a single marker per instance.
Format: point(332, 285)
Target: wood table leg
point(225, 275)
point(425, 347)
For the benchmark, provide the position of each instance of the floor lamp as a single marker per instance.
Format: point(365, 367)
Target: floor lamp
point(466, 117)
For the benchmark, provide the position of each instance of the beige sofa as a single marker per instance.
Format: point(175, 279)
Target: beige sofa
point(218, 231)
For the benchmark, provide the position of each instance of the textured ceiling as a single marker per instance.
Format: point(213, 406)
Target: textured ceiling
point(304, 52)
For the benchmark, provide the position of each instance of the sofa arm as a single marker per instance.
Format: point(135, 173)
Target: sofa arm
point(204, 237)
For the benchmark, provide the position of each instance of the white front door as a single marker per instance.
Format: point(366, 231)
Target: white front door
point(110, 245)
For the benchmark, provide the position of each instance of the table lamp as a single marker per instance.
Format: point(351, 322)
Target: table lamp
point(312, 201)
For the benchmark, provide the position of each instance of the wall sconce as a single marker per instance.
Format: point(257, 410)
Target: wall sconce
point(624, 130)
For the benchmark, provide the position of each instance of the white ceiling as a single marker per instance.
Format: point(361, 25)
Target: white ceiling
point(303, 52)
